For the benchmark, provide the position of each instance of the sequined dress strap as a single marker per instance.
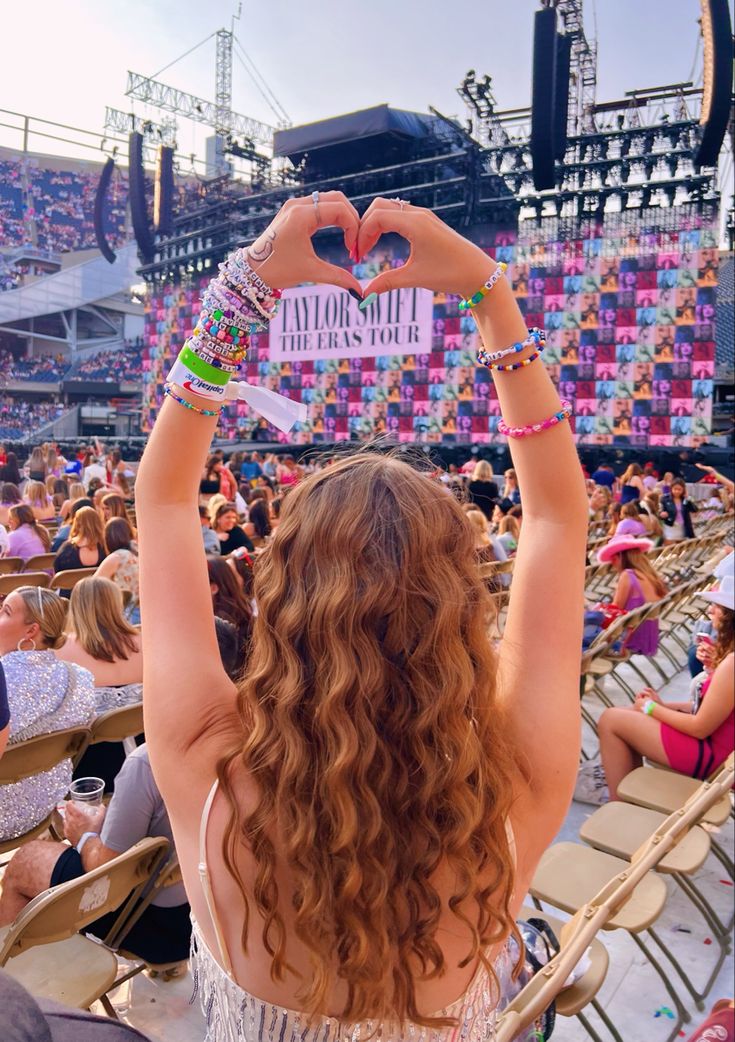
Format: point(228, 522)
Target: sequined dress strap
point(204, 879)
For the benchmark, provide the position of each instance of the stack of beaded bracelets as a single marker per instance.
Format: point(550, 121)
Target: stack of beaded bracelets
point(236, 304)
point(536, 338)
point(474, 300)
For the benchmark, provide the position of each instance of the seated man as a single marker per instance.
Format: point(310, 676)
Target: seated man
point(136, 810)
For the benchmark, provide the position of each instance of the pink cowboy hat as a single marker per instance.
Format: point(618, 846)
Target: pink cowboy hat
point(619, 544)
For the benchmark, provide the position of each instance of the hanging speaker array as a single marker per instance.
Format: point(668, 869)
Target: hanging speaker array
point(100, 200)
point(138, 208)
point(717, 35)
point(549, 98)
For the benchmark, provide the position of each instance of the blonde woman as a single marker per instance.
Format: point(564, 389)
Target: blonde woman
point(44, 695)
point(354, 833)
point(76, 491)
point(509, 532)
point(482, 490)
point(85, 547)
point(100, 638)
point(39, 501)
point(36, 465)
point(484, 549)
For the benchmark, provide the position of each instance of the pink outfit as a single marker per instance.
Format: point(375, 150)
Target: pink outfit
point(644, 639)
point(24, 542)
point(699, 757)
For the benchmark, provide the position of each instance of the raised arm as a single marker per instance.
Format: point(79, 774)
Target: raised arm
point(189, 701)
point(541, 649)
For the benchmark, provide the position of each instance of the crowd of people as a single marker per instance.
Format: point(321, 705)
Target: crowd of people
point(318, 663)
point(112, 366)
point(60, 203)
point(19, 417)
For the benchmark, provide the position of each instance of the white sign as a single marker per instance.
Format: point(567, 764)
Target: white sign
point(326, 322)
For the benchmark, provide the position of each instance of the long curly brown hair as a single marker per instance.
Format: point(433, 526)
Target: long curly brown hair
point(371, 727)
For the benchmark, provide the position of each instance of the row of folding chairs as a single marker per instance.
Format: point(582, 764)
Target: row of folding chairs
point(37, 563)
point(615, 880)
point(65, 580)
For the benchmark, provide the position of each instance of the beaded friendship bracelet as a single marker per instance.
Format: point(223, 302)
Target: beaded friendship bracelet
point(515, 365)
point(474, 300)
point(536, 428)
point(170, 393)
point(536, 338)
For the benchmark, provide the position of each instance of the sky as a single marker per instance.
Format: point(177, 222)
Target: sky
point(320, 58)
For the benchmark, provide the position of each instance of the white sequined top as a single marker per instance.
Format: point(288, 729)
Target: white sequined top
point(234, 1015)
point(44, 695)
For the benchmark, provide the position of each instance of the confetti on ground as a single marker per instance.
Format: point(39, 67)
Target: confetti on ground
point(727, 882)
point(681, 929)
point(664, 1011)
point(708, 940)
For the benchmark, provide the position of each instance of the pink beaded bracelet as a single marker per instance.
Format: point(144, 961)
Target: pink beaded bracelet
point(535, 428)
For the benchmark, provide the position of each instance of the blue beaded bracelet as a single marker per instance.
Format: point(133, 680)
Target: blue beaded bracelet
point(170, 393)
point(536, 338)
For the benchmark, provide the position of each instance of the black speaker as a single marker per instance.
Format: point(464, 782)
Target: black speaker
point(99, 209)
point(163, 192)
point(138, 209)
point(561, 93)
point(542, 98)
point(717, 35)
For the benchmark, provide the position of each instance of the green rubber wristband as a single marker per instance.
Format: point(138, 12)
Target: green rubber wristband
point(203, 369)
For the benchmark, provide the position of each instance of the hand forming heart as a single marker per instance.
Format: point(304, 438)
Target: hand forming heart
point(439, 259)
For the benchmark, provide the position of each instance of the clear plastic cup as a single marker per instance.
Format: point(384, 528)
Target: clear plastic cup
point(87, 792)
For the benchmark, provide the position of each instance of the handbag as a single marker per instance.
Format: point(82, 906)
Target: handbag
point(609, 613)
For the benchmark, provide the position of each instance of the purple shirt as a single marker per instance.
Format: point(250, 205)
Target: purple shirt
point(24, 542)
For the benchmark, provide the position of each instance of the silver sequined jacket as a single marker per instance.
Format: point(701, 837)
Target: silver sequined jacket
point(44, 695)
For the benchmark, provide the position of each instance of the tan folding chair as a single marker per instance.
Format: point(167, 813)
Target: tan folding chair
point(43, 949)
point(40, 563)
point(11, 565)
point(68, 579)
point(571, 1001)
point(569, 873)
point(34, 756)
point(118, 724)
point(170, 875)
point(9, 583)
point(666, 791)
point(621, 828)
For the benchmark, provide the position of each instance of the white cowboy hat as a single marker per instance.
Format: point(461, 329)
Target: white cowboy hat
point(724, 595)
